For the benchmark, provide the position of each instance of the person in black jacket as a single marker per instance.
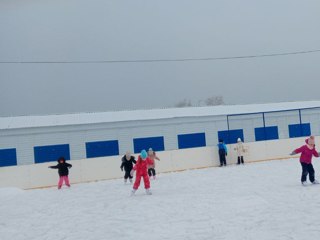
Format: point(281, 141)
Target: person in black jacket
point(63, 170)
point(127, 165)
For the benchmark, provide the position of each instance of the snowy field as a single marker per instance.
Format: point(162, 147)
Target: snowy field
point(260, 201)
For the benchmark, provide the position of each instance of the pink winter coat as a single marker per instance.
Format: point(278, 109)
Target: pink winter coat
point(142, 166)
point(306, 153)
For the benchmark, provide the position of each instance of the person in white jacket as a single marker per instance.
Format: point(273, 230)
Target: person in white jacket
point(240, 151)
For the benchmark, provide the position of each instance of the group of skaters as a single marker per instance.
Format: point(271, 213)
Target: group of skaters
point(144, 166)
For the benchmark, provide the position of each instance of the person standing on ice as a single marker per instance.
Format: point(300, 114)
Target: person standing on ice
point(63, 170)
point(223, 152)
point(141, 169)
point(240, 151)
point(127, 165)
point(151, 167)
point(307, 152)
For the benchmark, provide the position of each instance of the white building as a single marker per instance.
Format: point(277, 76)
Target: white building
point(36, 139)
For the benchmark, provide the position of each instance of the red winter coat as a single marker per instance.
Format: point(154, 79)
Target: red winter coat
point(141, 166)
point(306, 153)
point(142, 172)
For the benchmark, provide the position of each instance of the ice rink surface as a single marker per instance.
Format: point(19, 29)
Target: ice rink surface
point(258, 201)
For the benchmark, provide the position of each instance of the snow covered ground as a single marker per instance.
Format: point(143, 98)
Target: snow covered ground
point(260, 201)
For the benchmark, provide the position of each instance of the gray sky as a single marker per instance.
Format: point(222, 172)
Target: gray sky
point(80, 30)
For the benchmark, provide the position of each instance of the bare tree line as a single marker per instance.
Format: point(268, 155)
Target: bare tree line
point(210, 101)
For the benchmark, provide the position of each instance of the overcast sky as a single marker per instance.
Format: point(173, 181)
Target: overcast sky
point(89, 30)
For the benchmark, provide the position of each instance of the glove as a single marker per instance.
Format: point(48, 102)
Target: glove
point(131, 173)
point(121, 169)
point(293, 153)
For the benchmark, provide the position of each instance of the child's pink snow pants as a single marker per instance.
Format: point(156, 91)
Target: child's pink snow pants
point(64, 179)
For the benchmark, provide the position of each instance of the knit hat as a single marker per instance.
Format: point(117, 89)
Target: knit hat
point(239, 140)
point(143, 154)
point(61, 159)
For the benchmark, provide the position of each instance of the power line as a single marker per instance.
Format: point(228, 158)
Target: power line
point(163, 60)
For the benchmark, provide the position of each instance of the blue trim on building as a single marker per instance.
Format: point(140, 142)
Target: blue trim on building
point(51, 153)
point(266, 133)
point(299, 130)
point(191, 140)
point(156, 143)
point(8, 157)
point(102, 148)
point(231, 136)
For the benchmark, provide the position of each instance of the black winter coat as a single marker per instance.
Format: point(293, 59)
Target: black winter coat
point(63, 168)
point(127, 164)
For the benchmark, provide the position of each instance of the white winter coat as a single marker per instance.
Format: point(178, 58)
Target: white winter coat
point(240, 149)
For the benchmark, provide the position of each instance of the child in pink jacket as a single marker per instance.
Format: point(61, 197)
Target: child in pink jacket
point(151, 167)
point(307, 152)
point(142, 172)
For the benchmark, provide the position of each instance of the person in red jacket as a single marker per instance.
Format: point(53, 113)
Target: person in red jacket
point(307, 152)
point(141, 169)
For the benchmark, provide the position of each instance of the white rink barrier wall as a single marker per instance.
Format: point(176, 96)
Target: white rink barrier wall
point(95, 169)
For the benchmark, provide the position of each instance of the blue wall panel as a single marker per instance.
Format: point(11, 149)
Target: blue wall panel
point(156, 143)
point(299, 130)
point(8, 157)
point(267, 133)
point(305, 129)
point(102, 148)
point(231, 136)
point(51, 153)
point(192, 140)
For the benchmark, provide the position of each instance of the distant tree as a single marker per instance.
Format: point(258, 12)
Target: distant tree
point(214, 101)
point(183, 103)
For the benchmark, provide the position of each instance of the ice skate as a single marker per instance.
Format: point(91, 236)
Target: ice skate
point(133, 192)
point(304, 183)
point(148, 192)
point(130, 181)
point(315, 182)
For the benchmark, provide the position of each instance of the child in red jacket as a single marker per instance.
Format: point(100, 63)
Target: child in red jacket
point(307, 151)
point(141, 169)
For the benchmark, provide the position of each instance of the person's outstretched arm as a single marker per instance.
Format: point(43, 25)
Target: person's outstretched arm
point(54, 167)
point(298, 150)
